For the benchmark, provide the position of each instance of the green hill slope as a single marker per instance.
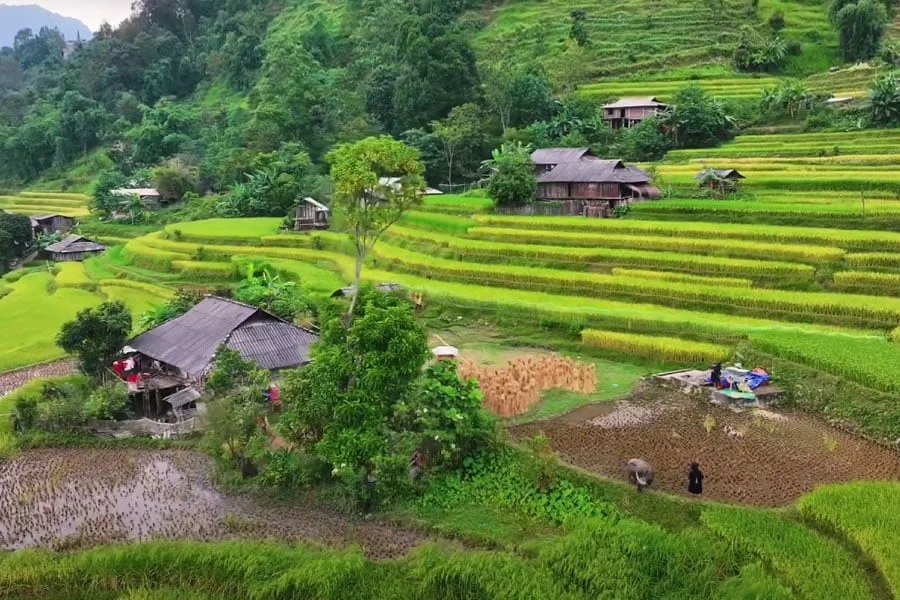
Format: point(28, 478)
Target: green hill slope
point(636, 38)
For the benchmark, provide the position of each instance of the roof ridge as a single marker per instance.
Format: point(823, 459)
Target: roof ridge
point(255, 308)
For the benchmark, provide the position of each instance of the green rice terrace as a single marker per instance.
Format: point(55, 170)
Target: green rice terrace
point(515, 405)
point(810, 304)
point(680, 283)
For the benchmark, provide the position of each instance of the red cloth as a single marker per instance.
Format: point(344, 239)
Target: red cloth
point(119, 368)
point(136, 378)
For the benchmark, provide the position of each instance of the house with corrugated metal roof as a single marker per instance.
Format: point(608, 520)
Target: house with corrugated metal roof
point(628, 112)
point(188, 344)
point(179, 354)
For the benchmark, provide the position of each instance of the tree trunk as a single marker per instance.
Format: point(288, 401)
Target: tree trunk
point(450, 170)
point(357, 279)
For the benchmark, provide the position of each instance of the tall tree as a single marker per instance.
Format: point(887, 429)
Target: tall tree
point(15, 235)
point(97, 335)
point(375, 181)
point(512, 181)
point(462, 134)
point(861, 26)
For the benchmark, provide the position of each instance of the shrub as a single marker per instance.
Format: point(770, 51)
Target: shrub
point(107, 402)
point(288, 469)
point(175, 179)
point(512, 181)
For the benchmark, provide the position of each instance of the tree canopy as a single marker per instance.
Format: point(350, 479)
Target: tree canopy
point(96, 336)
point(375, 181)
point(15, 236)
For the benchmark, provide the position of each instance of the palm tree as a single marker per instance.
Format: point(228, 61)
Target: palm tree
point(133, 205)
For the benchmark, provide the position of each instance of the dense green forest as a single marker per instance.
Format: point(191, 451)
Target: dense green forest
point(254, 93)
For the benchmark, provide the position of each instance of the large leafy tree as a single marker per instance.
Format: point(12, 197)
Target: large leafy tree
point(697, 120)
point(96, 336)
point(15, 236)
point(512, 181)
point(339, 406)
point(82, 123)
point(375, 181)
point(364, 405)
point(861, 26)
point(462, 136)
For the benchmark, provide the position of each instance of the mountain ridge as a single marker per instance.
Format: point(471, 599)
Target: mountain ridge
point(14, 18)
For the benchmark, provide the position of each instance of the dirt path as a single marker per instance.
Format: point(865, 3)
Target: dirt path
point(76, 498)
point(12, 380)
point(769, 458)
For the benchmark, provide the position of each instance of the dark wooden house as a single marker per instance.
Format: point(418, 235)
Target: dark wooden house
point(593, 187)
point(74, 248)
point(631, 111)
point(310, 215)
point(50, 224)
point(720, 181)
point(178, 355)
point(546, 159)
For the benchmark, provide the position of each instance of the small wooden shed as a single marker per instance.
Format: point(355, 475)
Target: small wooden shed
point(52, 223)
point(74, 248)
point(310, 215)
point(720, 181)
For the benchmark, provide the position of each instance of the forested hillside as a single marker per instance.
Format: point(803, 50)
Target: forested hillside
point(215, 88)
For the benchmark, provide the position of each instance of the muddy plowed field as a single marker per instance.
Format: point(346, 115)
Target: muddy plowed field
point(759, 457)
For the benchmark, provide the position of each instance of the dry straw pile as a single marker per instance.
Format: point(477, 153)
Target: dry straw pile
point(511, 390)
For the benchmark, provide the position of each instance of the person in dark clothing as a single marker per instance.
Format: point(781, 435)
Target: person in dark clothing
point(695, 479)
point(716, 375)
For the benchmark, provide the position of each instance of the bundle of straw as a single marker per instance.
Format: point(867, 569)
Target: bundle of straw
point(515, 388)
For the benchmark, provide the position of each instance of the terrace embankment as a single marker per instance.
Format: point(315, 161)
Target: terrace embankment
point(76, 498)
point(759, 457)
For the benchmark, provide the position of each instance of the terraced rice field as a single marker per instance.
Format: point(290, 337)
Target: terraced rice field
point(41, 203)
point(35, 306)
point(836, 179)
point(679, 282)
point(854, 82)
point(682, 297)
point(692, 36)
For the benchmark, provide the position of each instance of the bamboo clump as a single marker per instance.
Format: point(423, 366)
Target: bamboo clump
point(511, 390)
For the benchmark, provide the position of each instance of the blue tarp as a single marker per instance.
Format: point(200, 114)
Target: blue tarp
point(757, 378)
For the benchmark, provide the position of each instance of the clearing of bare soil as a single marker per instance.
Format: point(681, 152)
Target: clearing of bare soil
point(759, 457)
point(76, 498)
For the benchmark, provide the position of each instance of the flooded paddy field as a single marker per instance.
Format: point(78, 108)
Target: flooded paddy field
point(76, 498)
